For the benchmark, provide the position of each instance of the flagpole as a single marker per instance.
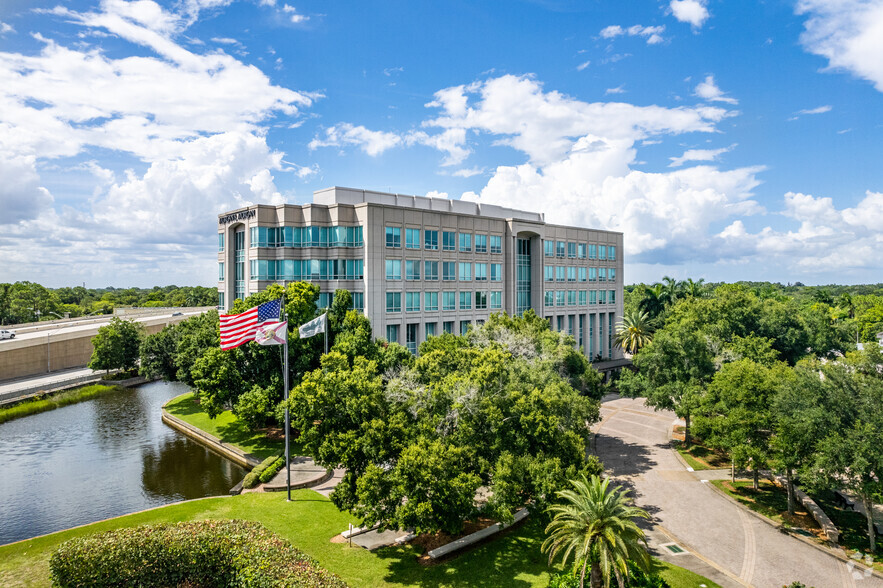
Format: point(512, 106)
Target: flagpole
point(326, 333)
point(285, 384)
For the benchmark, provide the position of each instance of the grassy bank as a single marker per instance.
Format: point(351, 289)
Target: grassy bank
point(701, 458)
point(309, 522)
point(56, 400)
point(228, 428)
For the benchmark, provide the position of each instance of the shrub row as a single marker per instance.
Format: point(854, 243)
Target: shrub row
point(256, 475)
point(272, 470)
point(639, 579)
point(44, 402)
point(229, 553)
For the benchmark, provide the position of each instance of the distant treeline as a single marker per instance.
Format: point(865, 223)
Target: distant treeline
point(24, 302)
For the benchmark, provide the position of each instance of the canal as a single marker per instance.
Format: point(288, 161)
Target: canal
point(98, 459)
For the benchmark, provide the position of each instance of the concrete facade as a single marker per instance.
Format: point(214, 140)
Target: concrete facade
point(406, 259)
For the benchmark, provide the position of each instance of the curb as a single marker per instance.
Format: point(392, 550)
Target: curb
point(828, 550)
point(306, 484)
point(226, 450)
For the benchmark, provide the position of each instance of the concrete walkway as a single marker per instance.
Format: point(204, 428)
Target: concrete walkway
point(720, 539)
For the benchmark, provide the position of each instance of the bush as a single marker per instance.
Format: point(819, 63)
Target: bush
point(639, 579)
point(272, 470)
point(254, 407)
point(252, 478)
point(202, 553)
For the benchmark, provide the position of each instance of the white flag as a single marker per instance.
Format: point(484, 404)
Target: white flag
point(314, 327)
point(271, 333)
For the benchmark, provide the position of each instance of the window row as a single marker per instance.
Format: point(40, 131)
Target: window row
point(562, 273)
point(579, 250)
point(450, 240)
point(392, 332)
point(578, 297)
point(449, 301)
point(292, 270)
point(326, 298)
point(450, 270)
point(306, 237)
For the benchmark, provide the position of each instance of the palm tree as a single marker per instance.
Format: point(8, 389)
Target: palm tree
point(597, 526)
point(694, 289)
point(671, 289)
point(633, 331)
point(653, 301)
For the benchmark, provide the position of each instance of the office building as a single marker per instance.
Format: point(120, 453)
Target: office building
point(420, 266)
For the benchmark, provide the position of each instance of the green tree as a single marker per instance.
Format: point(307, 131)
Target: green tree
point(633, 332)
point(217, 380)
point(596, 524)
point(158, 354)
point(116, 345)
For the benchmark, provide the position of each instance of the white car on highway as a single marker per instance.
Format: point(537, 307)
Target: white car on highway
point(4, 334)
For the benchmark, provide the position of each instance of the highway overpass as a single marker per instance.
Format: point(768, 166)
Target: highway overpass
point(40, 348)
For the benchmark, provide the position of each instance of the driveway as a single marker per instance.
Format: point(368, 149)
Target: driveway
point(720, 539)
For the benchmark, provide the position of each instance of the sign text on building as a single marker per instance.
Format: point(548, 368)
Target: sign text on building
point(236, 216)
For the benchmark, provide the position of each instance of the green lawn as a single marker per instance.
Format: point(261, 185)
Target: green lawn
point(308, 522)
point(701, 458)
point(227, 428)
point(853, 526)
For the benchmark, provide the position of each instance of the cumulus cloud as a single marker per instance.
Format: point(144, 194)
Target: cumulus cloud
point(693, 12)
point(191, 125)
point(652, 34)
point(708, 90)
point(848, 33)
point(371, 142)
point(699, 155)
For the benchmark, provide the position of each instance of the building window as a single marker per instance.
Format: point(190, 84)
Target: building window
point(480, 272)
point(448, 327)
point(412, 238)
point(496, 272)
point(393, 269)
point(220, 241)
point(611, 253)
point(465, 272)
point(522, 276)
point(593, 251)
point(610, 336)
point(392, 333)
point(549, 298)
point(560, 324)
point(481, 243)
point(593, 274)
point(393, 302)
point(465, 301)
point(571, 250)
point(449, 271)
point(430, 329)
point(430, 301)
point(612, 298)
point(602, 296)
point(325, 299)
point(359, 301)
point(449, 301)
point(239, 265)
point(571, 273)
point(221, 272)
point(582, 324)
point(412, 270)
point(582, 298)
point(464, 327)
point(449, 241)
point(411, 337)
point(560, 297)
point(593, 297)
point(581, 250)
point(582, 274)
point(602, 251)
point(465, 242)
point(430, 240)
point(394, 237)
point(611, 274)
point(602, 274)
point(430, 271)
point(571, 298)
point(560, 248)
point(220, 301)
point(481, 301)
point(549, 273)
point(496, 244)
point(560, 273)
point(496, 300)
point(412, 301)
point(549, 248)
point(570, 325)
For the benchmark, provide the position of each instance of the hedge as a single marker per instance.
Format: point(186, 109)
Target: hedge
point(255, 475)
point(229, 553)
point(272, 470)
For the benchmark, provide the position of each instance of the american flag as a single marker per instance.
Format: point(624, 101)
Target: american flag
point(237, 329)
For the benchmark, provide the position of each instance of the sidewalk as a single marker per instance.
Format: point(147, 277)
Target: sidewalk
point(20, 388)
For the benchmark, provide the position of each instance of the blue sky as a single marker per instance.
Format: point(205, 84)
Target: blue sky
point(728, 141)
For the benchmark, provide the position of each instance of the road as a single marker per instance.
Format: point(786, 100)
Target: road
point(633, 442)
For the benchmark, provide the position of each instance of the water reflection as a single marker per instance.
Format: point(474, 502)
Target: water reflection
point(101, 458)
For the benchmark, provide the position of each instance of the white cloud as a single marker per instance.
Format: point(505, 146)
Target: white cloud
point(653, 34)
point(699, 155)
point(848, 33)
point(21, 196)
point(468, 173)
point(437, 194)
point(693, 12)
point(293, 15)
point(371, 142)
point(450, 141)
point(389, 71)
point(583, 65)
point(808, 111)
point(617, 90)
point(6, 28)
point(708, 90)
